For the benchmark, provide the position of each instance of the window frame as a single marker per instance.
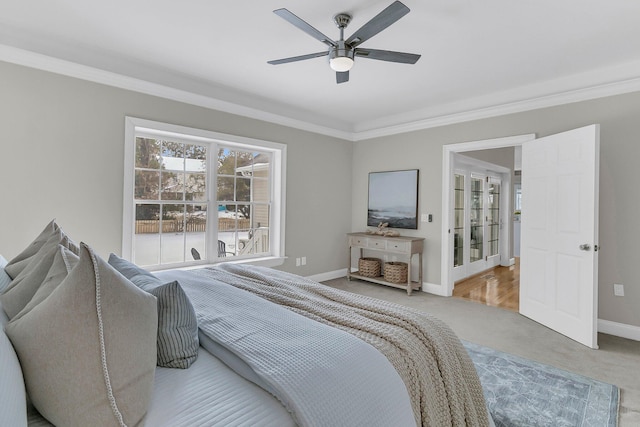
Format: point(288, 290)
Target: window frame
point(135, 127)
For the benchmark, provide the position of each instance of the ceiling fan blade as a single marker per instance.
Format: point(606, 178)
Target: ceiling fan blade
point(378, 23)
point(298, 58)
point(293, 19)
point(342, 77)
point(388, 55)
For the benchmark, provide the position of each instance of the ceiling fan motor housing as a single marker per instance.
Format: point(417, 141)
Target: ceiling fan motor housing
point(341, 56)
point(342, 50)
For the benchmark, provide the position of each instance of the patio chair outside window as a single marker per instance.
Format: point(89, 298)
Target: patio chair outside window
point(222, 249)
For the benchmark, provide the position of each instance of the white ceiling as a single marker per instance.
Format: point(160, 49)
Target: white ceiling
point(478, 57)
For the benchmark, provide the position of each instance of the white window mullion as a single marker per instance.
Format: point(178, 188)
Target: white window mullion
point(212, 204)
point(212, 141)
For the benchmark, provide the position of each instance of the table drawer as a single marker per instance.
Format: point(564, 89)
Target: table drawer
point(376, 244)
point(398, 246)
point(358, 241)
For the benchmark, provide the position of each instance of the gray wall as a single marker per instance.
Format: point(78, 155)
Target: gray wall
point(61, 155)
point(619, 203)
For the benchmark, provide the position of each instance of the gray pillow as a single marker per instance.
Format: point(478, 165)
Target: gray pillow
point(88, 351)
point(13, 398)
point(63, 262)
point(4, 277)
point(26, 283)
point(20, 261)
point(177, 327)
point(130, 270)
point(177, 324)
point(13, 402)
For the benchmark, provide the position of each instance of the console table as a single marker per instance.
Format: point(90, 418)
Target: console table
point(401, 245)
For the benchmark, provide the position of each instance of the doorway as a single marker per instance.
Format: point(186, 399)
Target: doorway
point(448, 170)
point(480, 207)
point(483, 203)
point(558, 283)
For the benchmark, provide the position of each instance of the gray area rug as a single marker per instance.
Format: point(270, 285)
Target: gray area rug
point(521, 392)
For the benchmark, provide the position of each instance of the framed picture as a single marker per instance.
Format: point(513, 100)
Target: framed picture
point(393, 198)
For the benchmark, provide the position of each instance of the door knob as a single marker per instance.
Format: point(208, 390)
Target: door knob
point(585, 247)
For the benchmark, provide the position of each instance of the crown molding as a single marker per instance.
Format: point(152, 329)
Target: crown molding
point(473, 109)
point(501, 109)
point(83, 72)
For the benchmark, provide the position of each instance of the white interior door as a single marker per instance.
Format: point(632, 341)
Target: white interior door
point(559, 233)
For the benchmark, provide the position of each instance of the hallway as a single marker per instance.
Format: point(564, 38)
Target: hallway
point(498, 287)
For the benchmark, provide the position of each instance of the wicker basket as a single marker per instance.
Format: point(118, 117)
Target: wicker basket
point(369, 267)
point(395, 272)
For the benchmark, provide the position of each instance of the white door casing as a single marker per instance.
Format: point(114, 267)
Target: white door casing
point(558, 275)
point(445, 288)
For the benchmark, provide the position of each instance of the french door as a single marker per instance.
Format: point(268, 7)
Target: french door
point(477, 223)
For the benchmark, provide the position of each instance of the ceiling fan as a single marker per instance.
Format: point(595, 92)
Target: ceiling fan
point(343, 52)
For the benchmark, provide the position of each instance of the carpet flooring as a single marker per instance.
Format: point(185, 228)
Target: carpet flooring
point(616, 362)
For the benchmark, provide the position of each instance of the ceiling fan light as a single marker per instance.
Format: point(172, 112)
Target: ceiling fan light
point(341, 63)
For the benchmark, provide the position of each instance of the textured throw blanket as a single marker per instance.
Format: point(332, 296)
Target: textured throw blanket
point(322, 375)
point(441, 379)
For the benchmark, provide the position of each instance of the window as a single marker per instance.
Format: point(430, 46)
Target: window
point(194, 197)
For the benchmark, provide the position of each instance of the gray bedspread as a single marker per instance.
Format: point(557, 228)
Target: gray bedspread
point(322, 375)
point(438, 375)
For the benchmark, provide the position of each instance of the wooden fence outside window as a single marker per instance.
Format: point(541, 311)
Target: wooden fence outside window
point(152, 226)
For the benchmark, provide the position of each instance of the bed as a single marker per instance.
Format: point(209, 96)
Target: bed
point(266, 348)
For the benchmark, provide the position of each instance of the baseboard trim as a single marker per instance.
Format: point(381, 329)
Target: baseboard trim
point(431, 288)
point(619, 329)
point(435, 289)
point(508, 263)
point(330, 275)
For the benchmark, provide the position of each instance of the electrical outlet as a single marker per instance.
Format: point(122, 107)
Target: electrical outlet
point(297, 262)
point(618, 290)
point(304, 260)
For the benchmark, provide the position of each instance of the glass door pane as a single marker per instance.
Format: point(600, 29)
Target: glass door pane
point(493, 218)
point(477, 219)
point(458, 228)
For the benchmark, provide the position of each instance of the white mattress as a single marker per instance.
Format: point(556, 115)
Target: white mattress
point(207, 394)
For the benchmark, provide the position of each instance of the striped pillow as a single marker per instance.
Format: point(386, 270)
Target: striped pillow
point(177, 327)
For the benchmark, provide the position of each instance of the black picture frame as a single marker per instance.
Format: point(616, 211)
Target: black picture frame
point(393, 198)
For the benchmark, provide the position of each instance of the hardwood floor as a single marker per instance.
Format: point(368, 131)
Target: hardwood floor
point(498, 287)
